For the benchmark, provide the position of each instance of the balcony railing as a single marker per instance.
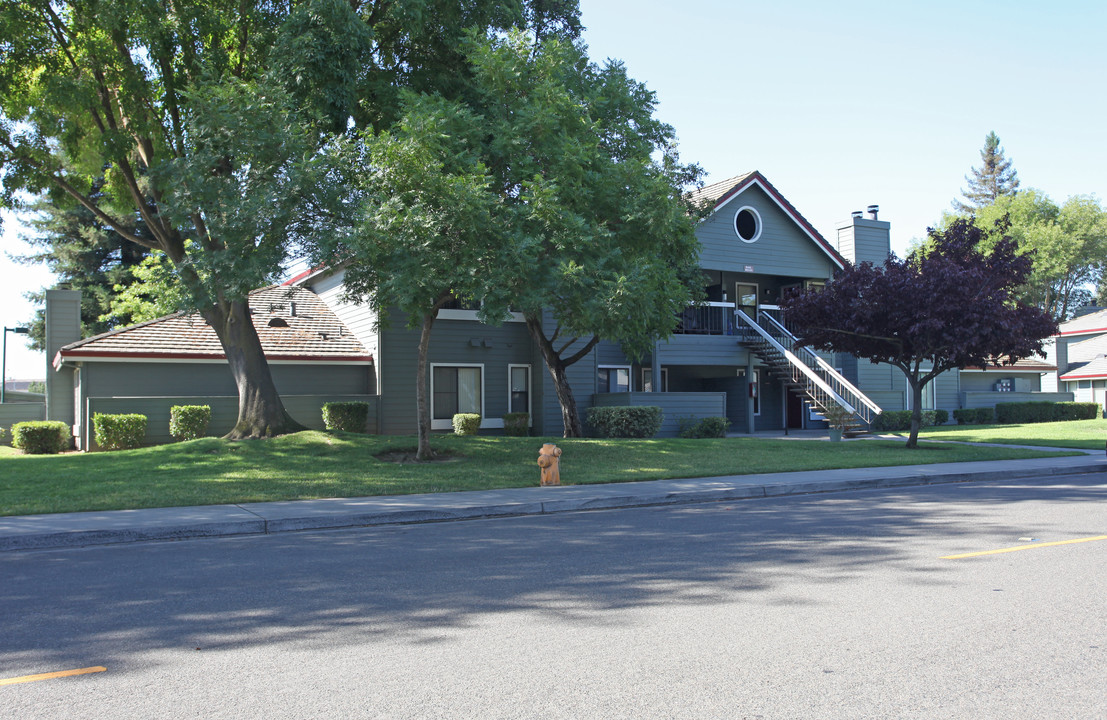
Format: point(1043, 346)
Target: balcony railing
point(711, 318)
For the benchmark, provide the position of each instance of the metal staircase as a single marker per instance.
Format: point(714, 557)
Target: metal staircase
point(801, 369)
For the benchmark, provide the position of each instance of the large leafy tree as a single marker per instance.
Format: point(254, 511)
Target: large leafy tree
point(1067, 244)
point(994, 178)
point(207, 118)
point(601, 243)
point(537, 191)
point(948, 305)
point(430, 233)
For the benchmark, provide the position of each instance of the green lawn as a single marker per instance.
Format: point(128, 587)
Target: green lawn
point(320, 465)
point(1086, 434)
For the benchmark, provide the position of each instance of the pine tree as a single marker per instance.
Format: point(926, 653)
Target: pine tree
point(995, 177)
point(83, 254)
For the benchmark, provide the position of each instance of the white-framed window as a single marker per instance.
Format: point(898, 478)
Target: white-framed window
point(518, 389)
point(647, 379)
point(747, 224)
point(613, 378)
point(455, 389)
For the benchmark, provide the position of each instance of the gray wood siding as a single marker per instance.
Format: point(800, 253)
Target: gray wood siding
point(674, 405)
point(452, 341)
point(132, 379)
point(782, 249)
point(985, 381)
point(703, 350)
point(357, 317)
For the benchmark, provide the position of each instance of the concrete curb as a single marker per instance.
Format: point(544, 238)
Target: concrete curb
point(126, 526)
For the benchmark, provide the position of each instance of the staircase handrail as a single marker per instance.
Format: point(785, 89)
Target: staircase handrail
point(800, 365)
point(828, 368)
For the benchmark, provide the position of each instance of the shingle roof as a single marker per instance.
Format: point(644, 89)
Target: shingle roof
point(1096, 368)
point(714, 191)
point(312, 334)
point(1025, 364)
point(1088, 349)
point(1092, 322)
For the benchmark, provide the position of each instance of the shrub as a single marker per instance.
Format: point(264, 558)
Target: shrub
point(189, 422)
point(517, 424)
point(708, 427)
point(3, 434)
point(626, 421)
point(1036, 412)
point(466, 424)
point(974, 416)
point(118, 432)
point(900, 420)
point(41, 437)
point(941, 417)
point(346, 416)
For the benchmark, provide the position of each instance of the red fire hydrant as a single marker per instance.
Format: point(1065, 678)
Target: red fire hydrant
point(548, 460)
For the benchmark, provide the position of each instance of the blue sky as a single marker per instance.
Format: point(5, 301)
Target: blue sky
point(841, 105)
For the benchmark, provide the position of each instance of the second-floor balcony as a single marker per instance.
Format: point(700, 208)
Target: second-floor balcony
point(711, 318)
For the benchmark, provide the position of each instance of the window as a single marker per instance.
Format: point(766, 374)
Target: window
point(455, 389)
point(745, 298)
point(647, 379)
point(747, 224)
point(755, 392)
point(613, 378)
point(518, 380)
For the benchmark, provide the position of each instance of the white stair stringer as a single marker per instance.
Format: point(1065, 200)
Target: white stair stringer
point(800, 368)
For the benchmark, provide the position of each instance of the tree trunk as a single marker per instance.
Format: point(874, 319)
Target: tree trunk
point(424, 451)
point(916, 411)
point(260, 410)
point(570, 418)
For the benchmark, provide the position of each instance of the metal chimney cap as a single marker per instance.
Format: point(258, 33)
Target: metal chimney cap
point(856, 213)
point(873, 210)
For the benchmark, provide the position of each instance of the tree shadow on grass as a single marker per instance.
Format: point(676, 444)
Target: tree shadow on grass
point(419, 584)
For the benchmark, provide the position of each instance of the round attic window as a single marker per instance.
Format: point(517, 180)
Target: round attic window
point(747, 223)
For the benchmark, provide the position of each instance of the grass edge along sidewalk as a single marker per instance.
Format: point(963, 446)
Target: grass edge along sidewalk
point(315, 465)
point(1080, 434)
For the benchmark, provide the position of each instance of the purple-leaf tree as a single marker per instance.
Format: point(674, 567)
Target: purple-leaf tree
point(948, 305)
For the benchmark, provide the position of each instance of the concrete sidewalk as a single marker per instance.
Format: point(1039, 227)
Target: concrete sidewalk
point(119, 526)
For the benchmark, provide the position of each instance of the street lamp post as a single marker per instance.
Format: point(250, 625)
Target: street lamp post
point(4, 361)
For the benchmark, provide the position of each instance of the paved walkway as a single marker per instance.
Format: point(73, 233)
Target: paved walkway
point(118, 526)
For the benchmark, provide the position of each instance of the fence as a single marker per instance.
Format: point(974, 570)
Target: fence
point(15, 412)
point(305, 409)
point(674, 405)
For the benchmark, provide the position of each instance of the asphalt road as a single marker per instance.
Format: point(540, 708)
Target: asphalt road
point(830, 606)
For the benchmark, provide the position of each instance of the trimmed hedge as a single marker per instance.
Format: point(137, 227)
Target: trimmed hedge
point(708, 427)
point(346, 416)
point(626, 421)
point(189, 422)
point(1037, 412)
point(941, 417)
point(118, 432)
point(975, 416)
point(900, 420)
point(41, 437)
point(466, 424)
point(517, 424)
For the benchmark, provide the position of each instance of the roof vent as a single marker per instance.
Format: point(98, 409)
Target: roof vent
point(292, 309)
point(873, 210)
point(856, 214)
point(278, 322)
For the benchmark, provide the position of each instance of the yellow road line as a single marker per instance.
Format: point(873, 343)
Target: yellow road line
point(48, 676)
point(1024, 547)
